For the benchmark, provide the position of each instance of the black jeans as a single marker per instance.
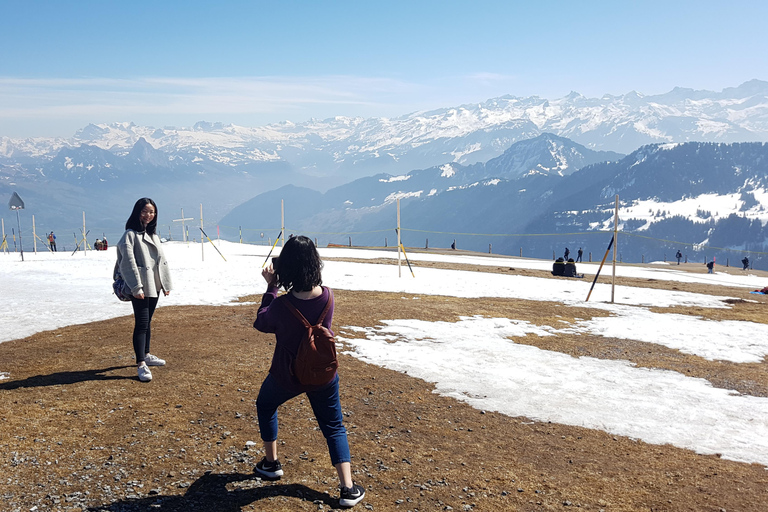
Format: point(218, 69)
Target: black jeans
point(143, 309)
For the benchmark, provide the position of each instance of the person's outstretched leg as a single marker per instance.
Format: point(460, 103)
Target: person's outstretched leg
point(271, 396)
point(327, 408)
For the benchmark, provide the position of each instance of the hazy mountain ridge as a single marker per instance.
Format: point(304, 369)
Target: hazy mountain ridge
point(347, 148)
point(352, 203)
point(698, 193)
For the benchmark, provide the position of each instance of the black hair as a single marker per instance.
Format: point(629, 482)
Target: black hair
point(134, 221)
point(299, 266)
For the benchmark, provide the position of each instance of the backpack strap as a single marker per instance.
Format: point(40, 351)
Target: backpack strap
point(327, 306)
point(295, 312)
point(301, 317)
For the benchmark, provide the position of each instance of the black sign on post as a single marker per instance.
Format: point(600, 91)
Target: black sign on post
point(17, 204)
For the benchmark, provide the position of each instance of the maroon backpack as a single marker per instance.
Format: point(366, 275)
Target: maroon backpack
point(315, 362)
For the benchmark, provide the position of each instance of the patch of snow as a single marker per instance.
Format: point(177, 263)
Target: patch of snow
point(392, 179)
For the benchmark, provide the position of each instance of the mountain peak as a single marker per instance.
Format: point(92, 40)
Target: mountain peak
point(749, 88)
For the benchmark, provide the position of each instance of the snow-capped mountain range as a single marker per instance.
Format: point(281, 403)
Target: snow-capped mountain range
point(340, 149)
point(518, 147)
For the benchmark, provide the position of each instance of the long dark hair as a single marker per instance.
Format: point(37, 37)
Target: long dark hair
point(134, 221)
point(299, 266)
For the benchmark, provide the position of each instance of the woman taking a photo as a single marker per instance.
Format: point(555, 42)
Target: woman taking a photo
point(141, 262)
point(298, 271)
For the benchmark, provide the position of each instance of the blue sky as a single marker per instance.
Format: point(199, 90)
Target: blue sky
point(66, 64)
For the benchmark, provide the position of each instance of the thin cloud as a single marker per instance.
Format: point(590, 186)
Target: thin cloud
point(37, 98)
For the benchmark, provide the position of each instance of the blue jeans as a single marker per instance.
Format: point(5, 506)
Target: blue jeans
point(325, 404)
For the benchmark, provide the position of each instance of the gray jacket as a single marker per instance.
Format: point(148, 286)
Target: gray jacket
point(142, 264)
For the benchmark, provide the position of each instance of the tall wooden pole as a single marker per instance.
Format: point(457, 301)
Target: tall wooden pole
point(34, 235)
point(615, 244)
point(202, 245)
point(85, 242)
point(282, 222)
point(399, 268)
point(18, 224)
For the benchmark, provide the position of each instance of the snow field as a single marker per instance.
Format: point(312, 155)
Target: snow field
point(48, 291)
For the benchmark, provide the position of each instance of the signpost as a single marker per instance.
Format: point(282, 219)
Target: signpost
point(17, 204)
point(183, 229)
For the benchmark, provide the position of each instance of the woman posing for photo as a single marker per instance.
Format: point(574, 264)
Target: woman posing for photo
point(141, 262)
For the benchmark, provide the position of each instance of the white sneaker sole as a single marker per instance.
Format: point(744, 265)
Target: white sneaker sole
point(351, 502)
point(270, 475)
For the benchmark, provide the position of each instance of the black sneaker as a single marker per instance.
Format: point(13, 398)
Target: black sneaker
point(270, 470)
point(351, 496)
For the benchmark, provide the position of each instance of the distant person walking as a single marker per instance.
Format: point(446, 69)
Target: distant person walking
point(567, 253)
point(453, 245)
point(711, 267)
point(299, 272)
point(141, 262)
point(679, 256)
point(745, 262)
point(579, 254)
point(52, 241)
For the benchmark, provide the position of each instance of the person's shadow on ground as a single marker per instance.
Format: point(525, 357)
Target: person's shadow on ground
point(210, 493)
point(59, 378)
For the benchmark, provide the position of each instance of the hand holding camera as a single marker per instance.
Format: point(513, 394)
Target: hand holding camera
point(269, 273)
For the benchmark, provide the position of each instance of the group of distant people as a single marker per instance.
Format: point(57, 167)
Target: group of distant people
point(99, 244)
point(567, 253)
point(566, 266)
point(711, 264)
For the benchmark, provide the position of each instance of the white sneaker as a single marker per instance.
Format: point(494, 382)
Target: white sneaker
point(153, 360)
point(144, 374)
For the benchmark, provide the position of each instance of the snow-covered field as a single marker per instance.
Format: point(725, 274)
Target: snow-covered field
point(48, 291)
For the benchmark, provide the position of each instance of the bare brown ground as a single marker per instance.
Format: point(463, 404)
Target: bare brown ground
point(78, 431)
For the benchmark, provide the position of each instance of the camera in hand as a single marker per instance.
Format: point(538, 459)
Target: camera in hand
point(275, 259)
